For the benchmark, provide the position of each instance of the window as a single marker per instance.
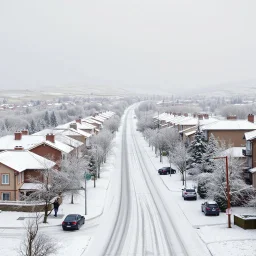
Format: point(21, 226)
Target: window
point(5, 179)
point(6, 196)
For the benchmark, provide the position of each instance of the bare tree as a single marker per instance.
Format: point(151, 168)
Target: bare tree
point(49, 184)
point(216, 187)
point(36, 243)
point(179, 157)
point(104, 140)
point(75, 168)
point(112, 124)
point(98, 153)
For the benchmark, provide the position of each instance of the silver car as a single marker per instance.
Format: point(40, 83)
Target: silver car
point(189, 193)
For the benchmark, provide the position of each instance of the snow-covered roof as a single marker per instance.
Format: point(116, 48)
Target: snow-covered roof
point(82, 126)
point(31, 141)
point(30, 186)
point(190, 133)
point(73, 132)
point(250, 135)
point(21, 160)
point(230, 125)
point(253, 170)
point(97, 118)
point(90, 120)
point(234, 151)
point(60, 136)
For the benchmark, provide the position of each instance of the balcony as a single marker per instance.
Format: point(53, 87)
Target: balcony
point(246, 152)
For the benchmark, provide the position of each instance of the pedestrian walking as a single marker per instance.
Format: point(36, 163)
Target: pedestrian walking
point(56, 207)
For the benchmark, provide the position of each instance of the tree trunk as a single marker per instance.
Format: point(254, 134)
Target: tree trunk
point(98, 170)
point(45, 212)
point(161, 157)
point(94, 179)
point(183, 179)
point(72, 198)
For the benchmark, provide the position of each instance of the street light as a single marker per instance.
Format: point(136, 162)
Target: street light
point(228, 189)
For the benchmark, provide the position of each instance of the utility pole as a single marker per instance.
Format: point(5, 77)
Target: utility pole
point(227, 191)
point(85, 195)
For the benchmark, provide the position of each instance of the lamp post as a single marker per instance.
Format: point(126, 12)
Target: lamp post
point(228, 189)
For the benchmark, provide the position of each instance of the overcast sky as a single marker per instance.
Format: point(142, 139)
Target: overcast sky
point(165, 44)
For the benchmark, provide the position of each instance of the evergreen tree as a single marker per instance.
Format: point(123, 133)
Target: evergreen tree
point(40, 124)
point(53, 120)
point(47, 119)
point(196, 151)
point(32, 128)
point(212, 148)
point(92, 165)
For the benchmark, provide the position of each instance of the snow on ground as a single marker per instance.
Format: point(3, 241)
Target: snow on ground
point(68, 242)
point(212, 230)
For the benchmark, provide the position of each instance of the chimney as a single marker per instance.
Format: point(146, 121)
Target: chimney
point(231, 117)
point(73, 126)
point(50, 137)
point(78, 120)
point(251, 118)
point(17, 136)
point(206, 116)
point(18, 148)
point(24, 132)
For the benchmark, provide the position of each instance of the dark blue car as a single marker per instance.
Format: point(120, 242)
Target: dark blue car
point(73, 221)
point(210, 208)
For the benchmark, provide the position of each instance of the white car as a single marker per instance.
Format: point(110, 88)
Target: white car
point(189, 193)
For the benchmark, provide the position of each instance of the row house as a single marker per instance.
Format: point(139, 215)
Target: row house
point(250, 153)
point(230, 131)
point(61, 137)
point(16, 169)
point(86, 127)
point(188, 127)
point(44, 145)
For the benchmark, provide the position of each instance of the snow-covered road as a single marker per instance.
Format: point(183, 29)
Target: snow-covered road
point(145, 224)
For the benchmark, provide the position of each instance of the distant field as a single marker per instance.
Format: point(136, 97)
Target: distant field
point(15, 96)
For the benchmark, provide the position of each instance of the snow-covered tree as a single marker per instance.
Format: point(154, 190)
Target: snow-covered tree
point(240, 192)
point(32, 127)
point(196, 151)
point(104, 140)
point(36, 243)
point(75, 168)
point(179, 158)
point(171, 139)
point(98, 153)
point(92, 167)
point(40, 124)
point(112, 124)
point(47, 119)
point(211, 150)
point(53, 120)
point(50, 184)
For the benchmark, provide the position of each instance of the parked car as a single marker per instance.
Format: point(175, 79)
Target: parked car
point(166, 170)
point(189, 193)
point(73, 221)
point(210, 208)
